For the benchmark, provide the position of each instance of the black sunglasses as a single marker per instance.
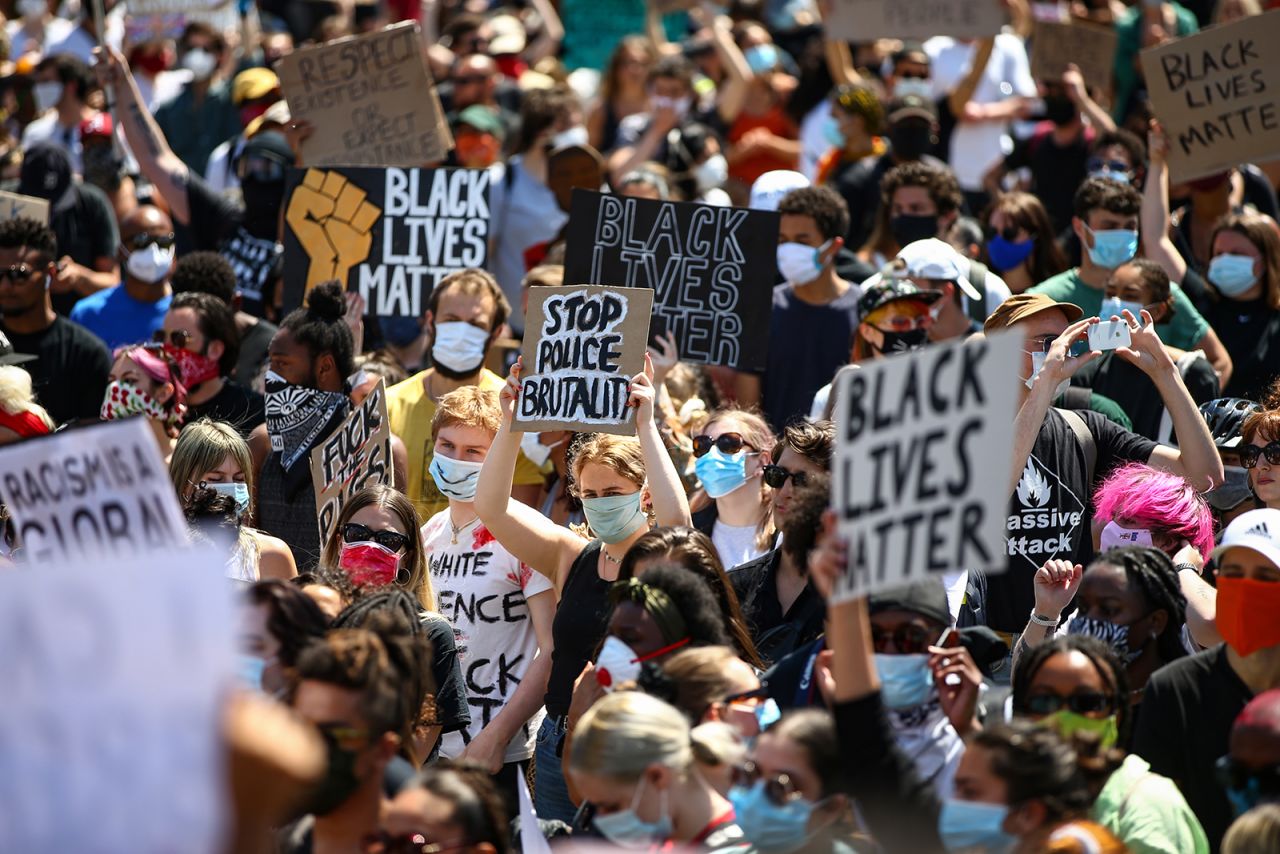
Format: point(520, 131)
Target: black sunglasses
point(779, 789)
point(1082, 703)
point(177, 338)
point(17, 272)
point(776, 476)
point(1249, 454)
point(728, 443)
point(908, 639)
point(356, 533)
point(142, 240)
point(1009, 233)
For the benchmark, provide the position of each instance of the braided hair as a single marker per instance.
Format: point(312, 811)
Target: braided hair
point(1151, 572)
point(1104, 660)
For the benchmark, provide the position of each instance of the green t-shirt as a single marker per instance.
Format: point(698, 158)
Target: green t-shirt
point(1184, 331)
point(1147, 812)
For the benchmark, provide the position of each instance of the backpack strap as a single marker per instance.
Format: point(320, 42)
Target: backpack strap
point(978, 278)
point(1085, 439)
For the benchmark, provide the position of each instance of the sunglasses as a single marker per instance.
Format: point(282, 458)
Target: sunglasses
point(1083, 703)
point(728, 443)
point(903, 324)
point(260, 168)
point(1009, 233)
point(356, 533)
point(406, 843)
point(908, 639)
point(177, 338)
point(143, 240)
point(776, 476)
point(913, 75)
point(778, 789)
point(1044, 343)
point(1249, 454)
point(17, 273)
point(345, 737)
point(1097, 164)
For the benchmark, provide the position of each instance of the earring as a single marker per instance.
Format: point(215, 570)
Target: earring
point(402, 576)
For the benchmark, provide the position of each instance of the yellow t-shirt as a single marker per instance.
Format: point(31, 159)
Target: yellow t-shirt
point(411, 410)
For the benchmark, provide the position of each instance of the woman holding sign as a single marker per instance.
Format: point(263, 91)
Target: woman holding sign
point(626, 485)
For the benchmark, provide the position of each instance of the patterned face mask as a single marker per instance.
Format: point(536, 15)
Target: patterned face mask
point(124, 399)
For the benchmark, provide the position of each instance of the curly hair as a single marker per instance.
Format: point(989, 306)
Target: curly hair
point(319, 326)
point(25, 232)
point(938, 181)
point(477, 808)
point(359, 660)
point(293, 617)
point(813, 440)
point(858, 99)
point(1108, 195)
point(205, 272)
point(692, 597)
point(1037, 765)
point(826, 207)
point(1151, 572)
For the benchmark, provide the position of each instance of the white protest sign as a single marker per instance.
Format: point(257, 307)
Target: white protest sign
point(114, 673)
point(356, 455)
point(94, 492)
point(920, 479)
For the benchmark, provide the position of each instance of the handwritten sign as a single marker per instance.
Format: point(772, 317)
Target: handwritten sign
point(166, 19)
point(14, 205)
point(1090, 46)
point(356, 455)
point(581, 348)
point(370, 99)
point(712, 269)
point(94, 492)
point(390, 234)
point(1216, 94)
point(115, 671)
point(921, 470)
point(866, 20)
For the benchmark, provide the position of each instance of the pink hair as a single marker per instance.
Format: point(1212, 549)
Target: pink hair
point(1156, 500)
point(156, 367)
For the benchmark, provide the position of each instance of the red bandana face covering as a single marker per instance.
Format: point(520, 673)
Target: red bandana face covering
point(196, 368)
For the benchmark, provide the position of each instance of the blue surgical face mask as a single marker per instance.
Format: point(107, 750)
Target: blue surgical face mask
point(1112, 247)
point(1111, 175)
point(969, 825)
point(768, 826)
point(832, 134)
point(1231, 274)
point(905, 680)
point(761, 58)
point(455, 479)
point(239, 492)
point(249, 670)
point(614, 517)
point(1116, 306)
point(626, 830)
point(1007, 254)
point(721, 473)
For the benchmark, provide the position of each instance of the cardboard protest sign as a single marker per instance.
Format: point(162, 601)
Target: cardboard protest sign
point(1092, 47)
point(712, 269)
point(867, 20)
point(356, 455)
point(166, 19)
point(582, 346)
point(115, 674)
point(920, 479)
point(93, 492)
point(370, 100)
point(14, 205)
point(390, 234)
point(1216, 93)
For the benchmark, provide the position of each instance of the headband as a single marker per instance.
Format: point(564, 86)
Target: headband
point(654, 601)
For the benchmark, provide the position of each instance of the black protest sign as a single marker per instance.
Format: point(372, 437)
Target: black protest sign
point(390, 234)
point(356, 455)
point(582, 346)
point(93, 492)
point(712, 269)
point(921, 470)
point(1215, 93)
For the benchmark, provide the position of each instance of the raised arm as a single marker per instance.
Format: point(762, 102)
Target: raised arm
point(162, 167)
point(732, 93)
point(548, 41)
point(1055, 586)
point(670, 504)
point(958, 97)
point(840, 63)
point(533, 538)
point(1156, 243)
point(1073, 80)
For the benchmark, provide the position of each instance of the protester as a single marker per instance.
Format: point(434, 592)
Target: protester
point(204, 113)
point(622, 91)
point(456, 803)
point(917, 201)
point(1259, 454)
point(20, 416)
point(895, 317)
point(1022, 245)
point(1247, 771)
point(35, 28)
point(970, 292)
point(731, 453)
point(199, 333)
point(253, 92)
point(105, 165)
point(210, 273)
point(1225, 417)
point(144, 380)
point(279, 620)
point(61, 93)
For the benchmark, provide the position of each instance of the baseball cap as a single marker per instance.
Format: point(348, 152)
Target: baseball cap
point(1258, 530)
point(768, 190)
point(912, 107)
point(98, 124)
point(508, 35)
point(482, 118)
point(927, 597)
point(252, 84)
point(8, 356)
point(936, 259)
point(46, 174)
point(1021, 306)
point(277, 113)
point(887, 289)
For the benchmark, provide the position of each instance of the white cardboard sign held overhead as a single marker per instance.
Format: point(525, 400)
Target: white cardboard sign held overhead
point(94, 492)
point(921, 469)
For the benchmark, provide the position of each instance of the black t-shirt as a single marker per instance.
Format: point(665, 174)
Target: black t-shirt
point(240, 407)
point(253, 351)
point(452, 711)
point(1051, 509)
point(858, 182)
point(1135, 393)
point(807, 345)
point(774, 633)
point(1188, 708)
point(85, 230)
point(70, 373)
point(216, 223)
point(582, 616)
point(1056, 171)
point(1251, 333)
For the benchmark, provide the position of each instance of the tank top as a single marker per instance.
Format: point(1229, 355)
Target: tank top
point(291, 518)
point(578, 627)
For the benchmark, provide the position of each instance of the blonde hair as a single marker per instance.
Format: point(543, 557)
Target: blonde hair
point(380, 495)
point(470, 406)
point(202, 446)
point(1254, 832)
point(620, 454)
point(755, 431)
point(17, 394)
point(626, 732)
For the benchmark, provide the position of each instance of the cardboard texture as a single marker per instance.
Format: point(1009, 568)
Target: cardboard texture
point(712, 269)
point(867, 20)
point(1216, 94)
point(370, 98)
point(920, 478)
point(582, 346)
point(390, 234)
point(14, 205)
point(1089, 46)
point(356, 455)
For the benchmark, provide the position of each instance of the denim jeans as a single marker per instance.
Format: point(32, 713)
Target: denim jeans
point(550, 792)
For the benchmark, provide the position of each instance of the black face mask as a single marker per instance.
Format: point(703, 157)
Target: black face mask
point(336, 786)
point(262, 200)
point(1059, 109)
point(103, 167)
point(911, 141)
point(903, 342)
point(908, 228)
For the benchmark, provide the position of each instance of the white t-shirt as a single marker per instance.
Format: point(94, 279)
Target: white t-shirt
point(813, 139)
point(21, 42)
point(524, 213)
point(736, 544)
point(482, 590)
point(977, 146)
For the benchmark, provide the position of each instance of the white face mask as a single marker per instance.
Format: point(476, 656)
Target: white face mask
point(800, 264)
point(150, 265)
point(47, 94)
point(459, 346)
point(1037, 363)
point(711, 173)
point(32, 10)
point(617, 663)
point(200, 63)
point(680, 105)
point(571, 136)
point(536, 452)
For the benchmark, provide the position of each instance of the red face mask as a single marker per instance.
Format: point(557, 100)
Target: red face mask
point(477, 150)
point(369, 564)
point(196, 368)
point(249, 112)
point(1248, 616)
point(152, 62)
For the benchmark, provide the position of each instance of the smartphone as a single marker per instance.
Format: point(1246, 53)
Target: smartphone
point(1109, 334)
point(948, 638)
point(657, 329)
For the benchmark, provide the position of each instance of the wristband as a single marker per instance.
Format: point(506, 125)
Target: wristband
point(1043, 621)
point(1179, 567)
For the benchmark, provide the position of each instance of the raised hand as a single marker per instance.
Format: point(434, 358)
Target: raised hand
point(642, 394)
point(957, 696)
point(510, 394)
point(1055, 585)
